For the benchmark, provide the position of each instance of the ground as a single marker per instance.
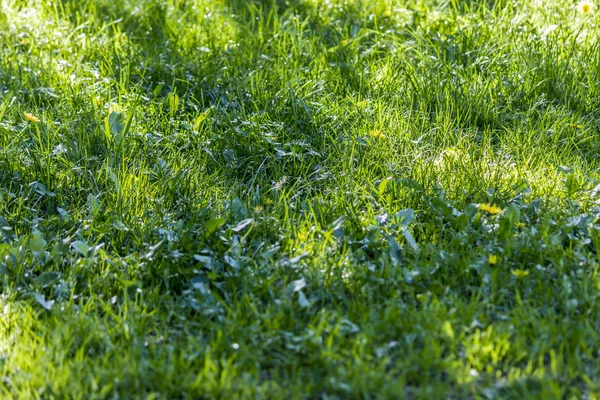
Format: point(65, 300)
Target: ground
point(299, 199)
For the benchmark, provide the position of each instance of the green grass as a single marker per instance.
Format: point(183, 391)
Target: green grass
point(283, 199)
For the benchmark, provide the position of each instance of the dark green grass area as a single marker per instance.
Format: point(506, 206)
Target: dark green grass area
point(299, 199)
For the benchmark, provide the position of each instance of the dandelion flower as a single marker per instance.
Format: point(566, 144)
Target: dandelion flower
point(31, 118)
point(585, 7)
point(493, 260)
point(490, 208)
point(302, 236)
point(376, 133)
point(520, 225)
point(387, 13)
point(520, 273)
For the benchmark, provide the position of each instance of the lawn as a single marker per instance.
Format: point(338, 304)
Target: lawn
point(269, 199)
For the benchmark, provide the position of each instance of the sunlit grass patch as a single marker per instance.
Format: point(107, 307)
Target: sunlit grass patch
point(303, 199)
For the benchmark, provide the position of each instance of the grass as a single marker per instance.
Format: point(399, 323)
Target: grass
point(299, 199)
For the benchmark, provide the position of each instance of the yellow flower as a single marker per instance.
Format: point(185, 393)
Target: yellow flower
point(387, 13)
point(493, 260)
point(519, 273)
point(585, 7)
point(490, 208)
point(376, 133)
point(302, 236)
point(520, 224)
point(31, 118)
point(258, 209)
